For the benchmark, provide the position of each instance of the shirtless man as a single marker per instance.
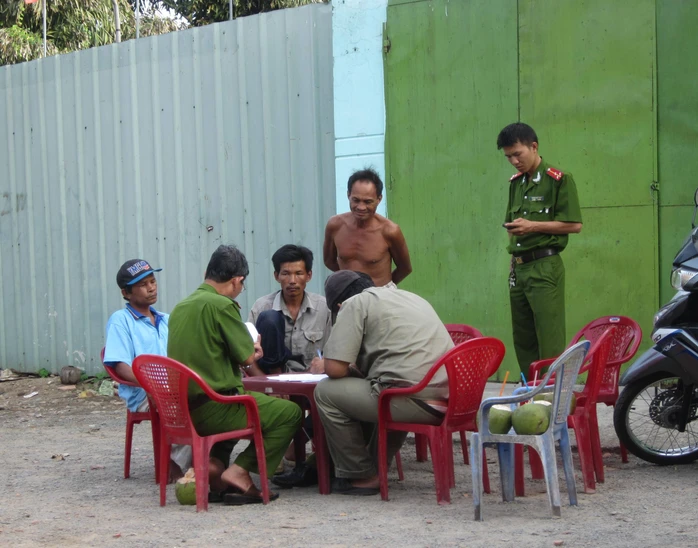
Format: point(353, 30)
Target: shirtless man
point(363, 241)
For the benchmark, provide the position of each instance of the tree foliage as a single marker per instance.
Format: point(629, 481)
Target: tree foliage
point(71, 25)
point(79, 24)
point(204, 12)
point(17, 44)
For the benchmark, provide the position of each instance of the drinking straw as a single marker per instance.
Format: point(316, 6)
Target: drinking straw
point(501, 391)
point(535, 378)
point(523, 378)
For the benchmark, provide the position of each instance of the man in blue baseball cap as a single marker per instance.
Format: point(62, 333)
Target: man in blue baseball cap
point(139, 329)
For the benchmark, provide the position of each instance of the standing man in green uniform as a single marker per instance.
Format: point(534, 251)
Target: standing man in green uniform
point(543, 209)
point(208, 335)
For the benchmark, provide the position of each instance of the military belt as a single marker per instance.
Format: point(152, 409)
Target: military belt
point(528, 256)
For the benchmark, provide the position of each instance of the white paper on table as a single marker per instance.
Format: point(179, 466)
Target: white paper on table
point(298, 377)
point(253, 330)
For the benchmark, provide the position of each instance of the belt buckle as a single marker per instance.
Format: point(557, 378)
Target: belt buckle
point(518, 260)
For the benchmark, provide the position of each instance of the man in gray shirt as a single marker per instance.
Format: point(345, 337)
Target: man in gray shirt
point(294, 323)
point(382, 337)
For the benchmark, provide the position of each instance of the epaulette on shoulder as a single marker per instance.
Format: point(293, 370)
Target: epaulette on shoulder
point(554, 173)
point(516, 176)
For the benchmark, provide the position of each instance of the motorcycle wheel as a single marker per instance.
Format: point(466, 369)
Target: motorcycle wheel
point(644, 416)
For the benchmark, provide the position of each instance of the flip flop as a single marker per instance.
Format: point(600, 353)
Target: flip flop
point(251, 496)
point(219, 496)
point(343, 486)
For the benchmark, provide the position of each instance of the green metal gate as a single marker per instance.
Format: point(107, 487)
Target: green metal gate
point(584, 74)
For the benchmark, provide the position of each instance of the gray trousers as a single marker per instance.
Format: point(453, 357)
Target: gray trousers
point(348, 409)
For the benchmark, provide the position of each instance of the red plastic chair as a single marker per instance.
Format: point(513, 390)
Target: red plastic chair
point(459, 333)
point(468, 367)
point(133, 418)
point(584, 420)
point(167, 382)
point(626, 340)
point(627, 337)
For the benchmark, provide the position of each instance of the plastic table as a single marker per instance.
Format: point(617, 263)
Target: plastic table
point(299, 387)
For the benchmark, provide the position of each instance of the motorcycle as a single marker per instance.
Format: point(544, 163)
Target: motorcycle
point(655, 415)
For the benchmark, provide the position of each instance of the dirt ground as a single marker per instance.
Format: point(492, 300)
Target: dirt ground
point(63, 486)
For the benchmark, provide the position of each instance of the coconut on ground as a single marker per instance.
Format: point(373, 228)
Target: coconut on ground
point(185, 488)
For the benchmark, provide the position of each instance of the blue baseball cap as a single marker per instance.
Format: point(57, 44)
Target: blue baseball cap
point(134, 271)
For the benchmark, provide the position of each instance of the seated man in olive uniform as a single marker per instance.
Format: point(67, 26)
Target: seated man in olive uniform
point(385, 337)
point(543, 210)
point(294, 323)
point(208, 335)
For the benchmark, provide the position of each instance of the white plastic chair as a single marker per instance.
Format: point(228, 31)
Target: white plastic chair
point(565, 368)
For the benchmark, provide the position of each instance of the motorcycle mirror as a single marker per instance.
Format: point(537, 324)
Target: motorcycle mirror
point(695, 198)
point(691, 284)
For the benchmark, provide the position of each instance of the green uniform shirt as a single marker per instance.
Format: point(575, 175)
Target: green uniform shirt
point(208, 336)
point(542, 198)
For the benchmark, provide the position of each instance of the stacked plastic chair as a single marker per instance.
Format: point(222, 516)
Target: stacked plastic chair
point(627, 336)
point(583, 421)
point(626, 339)
point(565, 370)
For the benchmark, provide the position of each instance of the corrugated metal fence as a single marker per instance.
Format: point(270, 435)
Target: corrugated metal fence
point(160, 148)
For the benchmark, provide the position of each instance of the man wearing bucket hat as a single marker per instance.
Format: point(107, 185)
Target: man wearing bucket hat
point(380, 338)
point(139, 329)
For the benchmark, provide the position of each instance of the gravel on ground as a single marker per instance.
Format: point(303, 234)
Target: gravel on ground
point(64, 486)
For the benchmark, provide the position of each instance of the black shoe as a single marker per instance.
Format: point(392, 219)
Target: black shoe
point(301, 476)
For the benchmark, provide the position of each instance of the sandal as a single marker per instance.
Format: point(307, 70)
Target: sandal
point(251, 496)
point(343, 486)
point(219, 496)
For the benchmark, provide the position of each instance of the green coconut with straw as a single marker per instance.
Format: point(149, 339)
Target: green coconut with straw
point(531, 419)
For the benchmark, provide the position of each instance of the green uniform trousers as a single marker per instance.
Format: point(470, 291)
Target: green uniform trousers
point(280, 420)
point(348, 409)
point(538, 310)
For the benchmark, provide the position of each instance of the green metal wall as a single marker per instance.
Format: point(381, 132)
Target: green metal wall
point(586, 71)
point(677, 90)
point(584, 74)
point(449, 77)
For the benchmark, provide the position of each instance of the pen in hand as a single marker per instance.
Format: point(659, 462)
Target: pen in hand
point(317, 366)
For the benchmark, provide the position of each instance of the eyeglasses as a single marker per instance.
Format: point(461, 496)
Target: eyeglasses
point(242, 283)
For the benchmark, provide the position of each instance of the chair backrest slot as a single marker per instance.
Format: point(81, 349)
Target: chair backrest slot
point(461, 332)
point(468, 367)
